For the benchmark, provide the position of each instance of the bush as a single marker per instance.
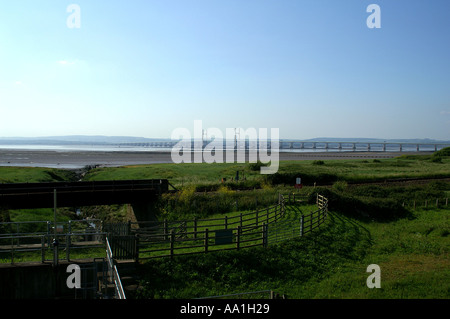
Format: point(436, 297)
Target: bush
point(318, 162)
point(436, 159)
point(340, 186)
point(256, 167)
point(442, 152)
point(381, 209)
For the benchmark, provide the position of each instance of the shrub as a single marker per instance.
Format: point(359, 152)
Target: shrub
point(442, 152)
point(436, 159)
point(256, 166)
point(318, 162)
point(340, 186)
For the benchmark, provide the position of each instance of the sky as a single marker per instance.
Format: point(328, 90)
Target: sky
point(311, 68)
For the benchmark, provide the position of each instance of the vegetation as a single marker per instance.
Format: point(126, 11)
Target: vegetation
point(369, 223)
point(331, 263)
point(34, 174)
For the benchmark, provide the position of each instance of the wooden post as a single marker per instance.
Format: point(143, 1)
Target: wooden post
point(256, 217)
point(226, 222)
point(446, 201)
point(195, 227)
point(426, 203)
point(238, 237)
point(240, 219)
point(267, 217)
point(437, 202)
point(301, 225)
point(165, 229)
point(43, 249)
point(172, 241)
point(206, 240)
point(264, 235)
point(68, 246)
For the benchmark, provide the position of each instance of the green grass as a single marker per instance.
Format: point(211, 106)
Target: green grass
point(331, 263)
point(33, 174)
point(367, 225)
point(328, 172)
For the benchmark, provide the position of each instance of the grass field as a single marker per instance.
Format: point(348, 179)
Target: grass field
point(310, 171)
point(331, 263)
point(367, 224)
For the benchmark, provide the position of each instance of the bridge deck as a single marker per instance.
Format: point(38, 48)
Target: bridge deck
point(42, 195)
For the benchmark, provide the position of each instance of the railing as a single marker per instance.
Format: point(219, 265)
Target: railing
point(245, 230)
point(12, 246)
point(170, 238)
point(426, 203)
point(113, 272)
point(203, 235)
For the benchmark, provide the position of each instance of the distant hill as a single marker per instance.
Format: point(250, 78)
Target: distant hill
point(77, 139)
point(106, 140)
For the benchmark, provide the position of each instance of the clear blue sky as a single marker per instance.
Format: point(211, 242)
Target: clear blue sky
point(311, 68)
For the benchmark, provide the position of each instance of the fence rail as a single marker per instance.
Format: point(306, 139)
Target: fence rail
point(148, 240)
point(113, 273)
point(245, 230)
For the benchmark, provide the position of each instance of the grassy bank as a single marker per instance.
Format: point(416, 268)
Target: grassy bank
point(331, 263)
point(209, 176)
point(34, 175)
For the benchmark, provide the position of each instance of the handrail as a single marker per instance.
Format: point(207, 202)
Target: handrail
point(113, 272)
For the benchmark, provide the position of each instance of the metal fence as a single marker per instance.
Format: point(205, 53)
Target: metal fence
point(113, 272)
point(259, 228)
point(162, 239)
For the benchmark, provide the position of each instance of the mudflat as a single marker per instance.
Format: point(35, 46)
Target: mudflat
point(79, 159)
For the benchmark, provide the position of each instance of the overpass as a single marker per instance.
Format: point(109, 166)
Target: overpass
point(139, 193)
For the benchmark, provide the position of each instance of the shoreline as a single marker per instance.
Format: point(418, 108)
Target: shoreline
point(80, 159)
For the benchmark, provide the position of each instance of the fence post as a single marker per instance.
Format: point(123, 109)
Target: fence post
point(165, 229)
point(136, 242)
point(426, 203)
point(267, 216)
point(195, 227)
point(42, 248)
point(226, 222)
point(238, 237)
point(172, 240)
point(12, 250)
point(301, 226)
point(256, 217)
point(446, 201)
point(437, 202)
point(240, 219)
point(264, 235)
point(68, 246)
point(206, 240)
